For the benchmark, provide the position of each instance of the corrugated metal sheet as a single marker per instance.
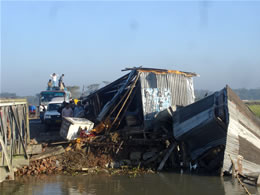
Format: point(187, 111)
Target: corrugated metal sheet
point(176, 88)
point(155, 100)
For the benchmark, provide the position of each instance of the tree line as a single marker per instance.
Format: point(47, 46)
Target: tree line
point(244, 94)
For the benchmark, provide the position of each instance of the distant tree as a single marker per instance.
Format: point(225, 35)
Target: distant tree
point(90, 89)
point(93, 87)
point(8, 95)
point(248, 94)
point(34, 100)
point(74, 90)
point(244, 94)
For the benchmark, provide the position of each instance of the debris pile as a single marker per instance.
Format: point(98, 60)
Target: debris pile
point(48, 166)
point(105, 153)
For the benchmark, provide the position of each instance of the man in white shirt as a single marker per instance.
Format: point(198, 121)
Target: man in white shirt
point(54, 79)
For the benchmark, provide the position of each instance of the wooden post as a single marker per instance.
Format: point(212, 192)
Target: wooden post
point(239, 164)
point(258, 181)
point(173, 145)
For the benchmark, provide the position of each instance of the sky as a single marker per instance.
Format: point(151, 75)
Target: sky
point(92, 41)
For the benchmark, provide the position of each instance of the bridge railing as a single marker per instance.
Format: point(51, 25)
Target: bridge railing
point(14, 130)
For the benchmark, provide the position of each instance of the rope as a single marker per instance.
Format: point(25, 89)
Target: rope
point(236, 175)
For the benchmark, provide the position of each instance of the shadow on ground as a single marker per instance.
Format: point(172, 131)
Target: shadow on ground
point(43, 135)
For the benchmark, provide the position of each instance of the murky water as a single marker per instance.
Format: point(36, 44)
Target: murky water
point(152, 184)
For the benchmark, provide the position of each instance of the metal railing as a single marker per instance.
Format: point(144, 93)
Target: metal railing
point(14, 130)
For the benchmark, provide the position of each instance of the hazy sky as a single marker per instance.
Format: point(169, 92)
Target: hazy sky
point(91, 42)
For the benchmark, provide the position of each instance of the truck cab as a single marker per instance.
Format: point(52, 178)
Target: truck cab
point(52, 116)
point(46, 97)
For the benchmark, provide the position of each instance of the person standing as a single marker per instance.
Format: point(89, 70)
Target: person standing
point(72, 104)
point(49, 85)
point(78, 109)
point(61, 79)
point(61, 86)
point(54, 79)
point(67, 111)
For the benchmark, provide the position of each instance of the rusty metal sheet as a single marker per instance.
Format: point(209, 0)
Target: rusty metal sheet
point(160, 91)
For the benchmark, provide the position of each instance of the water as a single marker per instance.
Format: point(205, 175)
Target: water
point(152, 184)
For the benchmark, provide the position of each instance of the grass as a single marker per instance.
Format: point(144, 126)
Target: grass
point(255, 109)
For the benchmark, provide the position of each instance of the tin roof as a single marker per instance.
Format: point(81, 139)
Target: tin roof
point(162, 71)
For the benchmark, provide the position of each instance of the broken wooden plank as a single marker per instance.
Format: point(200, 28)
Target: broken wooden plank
point(154, 157)
point(258, 181)
point(253, 175)
point(34, 149)
point(170, 149)
point(59, 143)
point(119, 147)
point(31, 149)
point(52, 152)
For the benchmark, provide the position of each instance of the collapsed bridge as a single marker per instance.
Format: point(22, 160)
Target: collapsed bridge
point(156, 107)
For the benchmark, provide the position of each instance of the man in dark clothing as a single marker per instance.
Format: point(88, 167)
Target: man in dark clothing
point(49, 85)
point(63, 105)
point(61, 84)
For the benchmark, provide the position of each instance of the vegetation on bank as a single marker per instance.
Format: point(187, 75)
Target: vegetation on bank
point(255, 109)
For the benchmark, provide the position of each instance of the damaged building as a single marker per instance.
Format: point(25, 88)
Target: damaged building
point(136, 98)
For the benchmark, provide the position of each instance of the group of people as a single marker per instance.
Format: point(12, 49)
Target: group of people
point(72, 110)
point(53, 82)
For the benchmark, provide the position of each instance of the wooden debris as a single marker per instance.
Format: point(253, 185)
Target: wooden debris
point(52, 152)
point(165, 158)
point(84, 169)
point(237, 176)
point(34, 149)
point(119, 147)
point(253, 175)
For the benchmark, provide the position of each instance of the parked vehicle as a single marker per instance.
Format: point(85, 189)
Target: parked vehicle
point(52, 116)
point(49, 96)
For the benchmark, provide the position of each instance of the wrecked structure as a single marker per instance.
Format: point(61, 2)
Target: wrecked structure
point(138, 108)
point(156, 107)
point(218, 130)
point(136, 98)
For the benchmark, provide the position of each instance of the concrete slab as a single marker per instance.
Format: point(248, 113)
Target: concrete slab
point(5, 174)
